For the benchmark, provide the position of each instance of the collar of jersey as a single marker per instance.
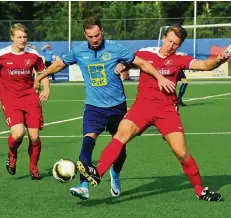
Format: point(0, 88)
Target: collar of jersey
point(16, 53)
point(98, 48)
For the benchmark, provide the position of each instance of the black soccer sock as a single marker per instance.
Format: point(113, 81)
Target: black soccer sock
point(85, 156)
point(182, 90)
point(118, 164)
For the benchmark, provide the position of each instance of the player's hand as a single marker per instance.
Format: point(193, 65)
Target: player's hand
point(222, 58)
point(166, 84)
point(44, 95)
point(36, 85)
point(119, 68)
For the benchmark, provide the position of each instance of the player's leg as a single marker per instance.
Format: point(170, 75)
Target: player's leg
point(177, 143)
point(34, 122)
point(116, 115)
point(172, 130)
point(14, 141)
point(126, 131)
point(182, 90)
point(94, 122)
point(34, 150)
point(15, 121)
point(134, 122)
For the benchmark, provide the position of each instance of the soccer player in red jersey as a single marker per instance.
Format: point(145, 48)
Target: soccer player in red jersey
point(21, 104)
point(159, 108)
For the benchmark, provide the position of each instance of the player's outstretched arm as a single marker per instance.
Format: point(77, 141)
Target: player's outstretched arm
point(44, 95)
point(163, 83)
point(211, 64)
point(54, 68)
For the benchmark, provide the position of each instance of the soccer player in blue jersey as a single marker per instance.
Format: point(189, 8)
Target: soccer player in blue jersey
point(49, 56)
point(105, 103)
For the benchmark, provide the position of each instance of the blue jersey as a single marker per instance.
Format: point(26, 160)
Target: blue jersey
point(104, 87)
point(48, 54)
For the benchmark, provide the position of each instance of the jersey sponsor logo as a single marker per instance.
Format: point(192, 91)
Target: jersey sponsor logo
point(106, 56)
point(168, 62)
point(97, 74)
point(18, 72)
point(164, 71)
point(27, 62)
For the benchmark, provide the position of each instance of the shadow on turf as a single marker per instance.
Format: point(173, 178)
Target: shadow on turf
point(160, 185)
point(43, 175)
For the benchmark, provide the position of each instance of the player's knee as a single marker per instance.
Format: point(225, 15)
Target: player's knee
point(18, 135)
point(34, 138)
point(183, 156)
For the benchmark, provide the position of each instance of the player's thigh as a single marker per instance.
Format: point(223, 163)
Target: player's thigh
point(34, 117)
point(114, 117)
point(12, 115)
point(17, 131)
point(126, 131)
point(94, 120)
point(140, 114)
point(168, 120)
point(176, 140)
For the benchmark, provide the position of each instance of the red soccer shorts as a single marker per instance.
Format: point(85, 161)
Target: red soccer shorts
point(165, 117)
point(25, 110)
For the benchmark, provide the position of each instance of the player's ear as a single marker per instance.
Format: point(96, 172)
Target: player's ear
point(102, 31)
point(164, 37)
point(12, 37)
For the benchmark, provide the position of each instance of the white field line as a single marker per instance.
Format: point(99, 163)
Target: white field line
point(132, 99)
point(155, 134)
point(52, 123)
point(207, 97)
point(78, 118)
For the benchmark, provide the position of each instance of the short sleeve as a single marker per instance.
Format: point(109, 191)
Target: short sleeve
point(70, 58)
point(125, 54)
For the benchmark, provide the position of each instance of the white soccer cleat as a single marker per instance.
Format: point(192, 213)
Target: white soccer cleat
point(115, 183)
point(80, 192)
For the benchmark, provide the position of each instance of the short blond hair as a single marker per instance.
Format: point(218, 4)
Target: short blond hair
point(18, 26)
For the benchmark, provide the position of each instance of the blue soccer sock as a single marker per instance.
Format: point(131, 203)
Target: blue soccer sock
point(182, 90)
point(85, 157)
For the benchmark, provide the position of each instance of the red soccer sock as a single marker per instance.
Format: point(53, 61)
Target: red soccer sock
point(192, 172)
point(13, 146)
point(109, 156)
point(34, 153)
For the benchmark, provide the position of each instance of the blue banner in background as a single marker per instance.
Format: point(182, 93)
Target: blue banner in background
point(205, 48)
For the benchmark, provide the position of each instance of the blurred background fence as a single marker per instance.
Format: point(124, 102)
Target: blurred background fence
point(116, 29)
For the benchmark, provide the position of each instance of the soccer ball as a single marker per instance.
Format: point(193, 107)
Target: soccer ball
point(64, 170)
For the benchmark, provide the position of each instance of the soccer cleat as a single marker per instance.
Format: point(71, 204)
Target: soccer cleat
point(11, 164)
point(34, 173)
point(89, 172)
point(207, 195)
point(115, 183)
point(181, 103)
point(80, 192)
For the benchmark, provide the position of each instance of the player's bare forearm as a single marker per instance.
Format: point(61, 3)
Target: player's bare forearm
point(46, 83)
point(163, 82)
point(44, 95)
point(54, 68)
point(211, 64)
point(146, 67)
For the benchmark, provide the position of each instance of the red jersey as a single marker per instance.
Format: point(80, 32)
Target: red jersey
point(16, 73)
point(169, 67)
